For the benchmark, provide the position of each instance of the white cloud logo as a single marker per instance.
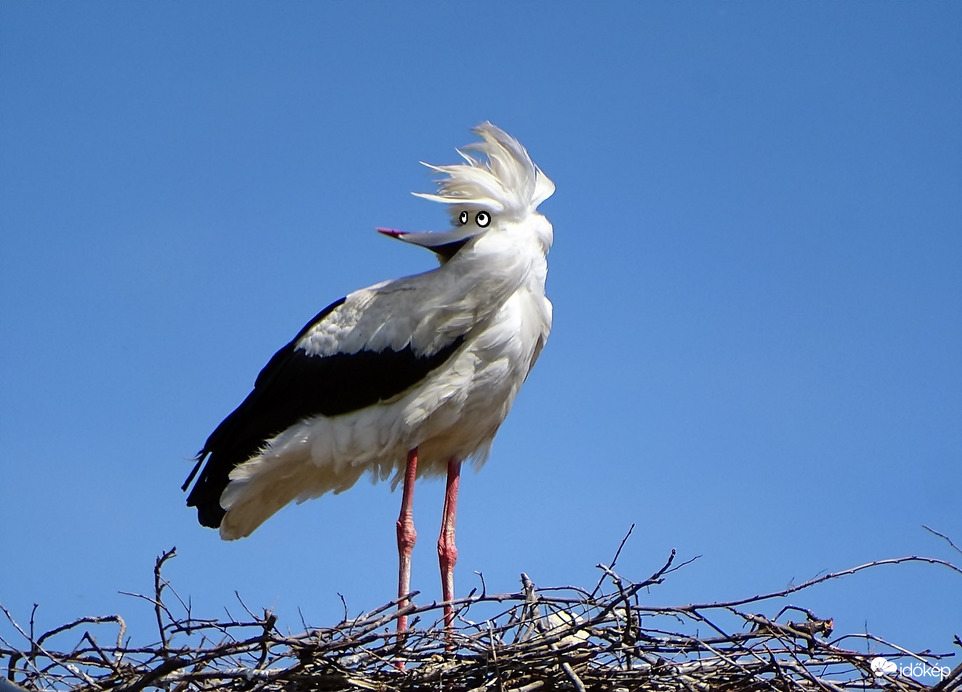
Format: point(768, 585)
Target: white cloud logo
point(883, 666)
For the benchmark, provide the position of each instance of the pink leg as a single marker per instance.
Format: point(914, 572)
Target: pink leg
point(406, 536)
point(447, 551)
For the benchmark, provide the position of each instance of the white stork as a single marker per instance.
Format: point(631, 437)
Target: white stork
point(409, 377)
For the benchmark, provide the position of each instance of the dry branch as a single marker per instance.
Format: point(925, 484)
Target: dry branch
point(564, 638)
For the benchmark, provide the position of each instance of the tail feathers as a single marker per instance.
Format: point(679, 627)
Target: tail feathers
point(264, 485)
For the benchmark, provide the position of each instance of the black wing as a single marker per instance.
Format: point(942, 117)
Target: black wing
point(292, 387)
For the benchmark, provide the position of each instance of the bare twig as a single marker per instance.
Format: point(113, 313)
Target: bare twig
point(943, 537)
point(823, 578)
point(614, 559)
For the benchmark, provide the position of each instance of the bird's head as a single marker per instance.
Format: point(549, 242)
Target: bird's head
point(504, 187)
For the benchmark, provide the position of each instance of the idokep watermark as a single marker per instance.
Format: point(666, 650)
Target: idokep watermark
point(916, 669)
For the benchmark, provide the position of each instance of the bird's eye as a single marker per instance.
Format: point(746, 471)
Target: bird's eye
point(483, 218)
point(463, 217)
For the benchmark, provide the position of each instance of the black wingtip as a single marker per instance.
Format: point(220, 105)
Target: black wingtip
point(200, 460)
point(210, 516)
point(205, 495)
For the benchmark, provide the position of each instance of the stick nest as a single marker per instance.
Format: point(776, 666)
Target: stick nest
point(566, 638)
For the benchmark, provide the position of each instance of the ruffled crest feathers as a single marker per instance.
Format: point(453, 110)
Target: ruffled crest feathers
point(506, 181)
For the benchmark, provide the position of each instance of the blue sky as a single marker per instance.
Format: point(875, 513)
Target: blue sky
point(757, 280)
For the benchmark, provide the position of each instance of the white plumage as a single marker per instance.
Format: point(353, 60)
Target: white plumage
point(430, 362)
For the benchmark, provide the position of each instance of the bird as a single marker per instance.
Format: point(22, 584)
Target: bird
point(405, 379)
